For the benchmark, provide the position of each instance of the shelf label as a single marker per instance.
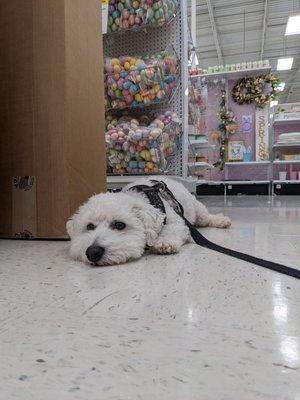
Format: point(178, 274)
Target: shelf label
point(104, 16)
point(262, 134)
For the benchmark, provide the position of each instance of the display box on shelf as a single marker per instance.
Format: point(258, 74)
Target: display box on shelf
point(124, 15)
point(141, 145)
point(139, 81)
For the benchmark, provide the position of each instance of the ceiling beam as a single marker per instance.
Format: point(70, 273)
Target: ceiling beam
point(215, 31)
point(194, 30)
point(263, 35)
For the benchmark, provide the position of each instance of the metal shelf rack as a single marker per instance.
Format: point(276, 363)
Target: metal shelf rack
point(154, 40)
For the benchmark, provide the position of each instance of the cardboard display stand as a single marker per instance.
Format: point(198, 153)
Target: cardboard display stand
point(52, 148)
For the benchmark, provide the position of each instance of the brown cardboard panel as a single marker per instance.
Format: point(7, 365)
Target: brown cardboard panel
point(16, 102)
point(49, 116)
point(52, 109)
point(86, 161)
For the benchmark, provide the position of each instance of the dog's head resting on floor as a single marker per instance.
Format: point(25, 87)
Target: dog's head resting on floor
point(113, 228)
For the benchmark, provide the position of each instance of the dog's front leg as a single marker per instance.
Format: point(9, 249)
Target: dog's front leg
point(172, 237)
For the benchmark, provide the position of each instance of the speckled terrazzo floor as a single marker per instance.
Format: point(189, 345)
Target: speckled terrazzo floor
point(194, 326)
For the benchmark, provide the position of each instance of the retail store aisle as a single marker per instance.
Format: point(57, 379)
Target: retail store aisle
point(194, 326)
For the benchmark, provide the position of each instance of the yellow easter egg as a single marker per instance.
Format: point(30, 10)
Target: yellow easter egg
point(138, 98)
point(156, 88)
point(150, 165)
point(127, 66)
point(115, 61)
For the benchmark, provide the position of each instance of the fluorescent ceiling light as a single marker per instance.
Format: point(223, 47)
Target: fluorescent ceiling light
point(285, 63)
point(293, 25)
point(281, 86)
point(274, 103)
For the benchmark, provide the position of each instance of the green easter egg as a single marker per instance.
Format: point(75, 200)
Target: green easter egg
point(119, 94)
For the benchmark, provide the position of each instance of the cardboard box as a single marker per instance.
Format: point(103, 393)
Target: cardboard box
point(52, 146)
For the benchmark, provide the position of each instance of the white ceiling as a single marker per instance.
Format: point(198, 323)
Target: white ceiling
point(241, 36)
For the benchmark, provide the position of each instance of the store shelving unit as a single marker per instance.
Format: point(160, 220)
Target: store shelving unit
point(279, 121)
point(283, 121)
point(153, 40)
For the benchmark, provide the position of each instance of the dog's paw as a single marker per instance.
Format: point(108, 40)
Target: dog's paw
point(224, 222)
point(220, 221)
point(164, 248)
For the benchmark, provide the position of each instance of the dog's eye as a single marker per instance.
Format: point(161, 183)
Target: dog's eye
point(118, 225)
point(90, 227)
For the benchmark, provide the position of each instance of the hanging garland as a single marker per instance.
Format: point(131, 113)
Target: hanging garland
point(260, 90)
point(227, 126)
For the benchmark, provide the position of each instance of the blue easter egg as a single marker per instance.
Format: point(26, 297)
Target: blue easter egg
point(127, 85)
point(141, 66)
point(170, 78)
point(123, 74)
point(133, 89)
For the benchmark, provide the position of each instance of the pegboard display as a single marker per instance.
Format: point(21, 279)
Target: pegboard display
point(154, 40)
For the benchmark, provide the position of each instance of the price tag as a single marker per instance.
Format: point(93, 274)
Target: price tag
point(104, 16)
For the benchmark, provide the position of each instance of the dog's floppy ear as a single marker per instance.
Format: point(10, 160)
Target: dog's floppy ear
point(152, 220)
point(70, 227)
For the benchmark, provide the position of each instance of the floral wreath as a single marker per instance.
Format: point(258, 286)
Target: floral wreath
point(254, 90)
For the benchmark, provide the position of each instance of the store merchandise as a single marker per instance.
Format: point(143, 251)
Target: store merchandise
point(134, 14)
point(287, 110)
point(291, 157)
point(231, 67)
point(289, 138)
point(282, 175)
point(139, 145)
point(139, 81)
point(247, 154)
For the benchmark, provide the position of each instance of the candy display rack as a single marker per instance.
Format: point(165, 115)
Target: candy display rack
point(141, 81)
point(153, 41)
point(140, 14)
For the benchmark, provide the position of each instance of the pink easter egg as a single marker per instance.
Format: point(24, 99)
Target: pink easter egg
point(122, 104)
point(120, 83)
point(125, 14)
point(131, 20)
point(114, 136)
point(129, 99)
point(108, 68)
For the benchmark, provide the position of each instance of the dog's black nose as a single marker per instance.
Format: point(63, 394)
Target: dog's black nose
point(94, 253)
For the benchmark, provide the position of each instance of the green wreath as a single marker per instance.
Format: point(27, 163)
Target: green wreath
point(253, 90)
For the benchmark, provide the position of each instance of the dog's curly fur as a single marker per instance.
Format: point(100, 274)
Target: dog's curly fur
point(144, 224)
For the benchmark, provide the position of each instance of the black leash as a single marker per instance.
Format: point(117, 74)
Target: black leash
point(161, 189)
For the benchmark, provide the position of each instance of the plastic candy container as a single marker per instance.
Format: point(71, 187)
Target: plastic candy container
point(140, 81)
point(140, 146)
point(133, 14)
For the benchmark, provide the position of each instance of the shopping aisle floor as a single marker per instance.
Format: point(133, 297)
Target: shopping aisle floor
point(194, 326)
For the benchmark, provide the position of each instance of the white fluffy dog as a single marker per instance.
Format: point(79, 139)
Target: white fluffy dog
point(113, 228)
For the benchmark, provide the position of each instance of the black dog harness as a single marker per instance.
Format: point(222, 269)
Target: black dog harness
point(160, 191)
